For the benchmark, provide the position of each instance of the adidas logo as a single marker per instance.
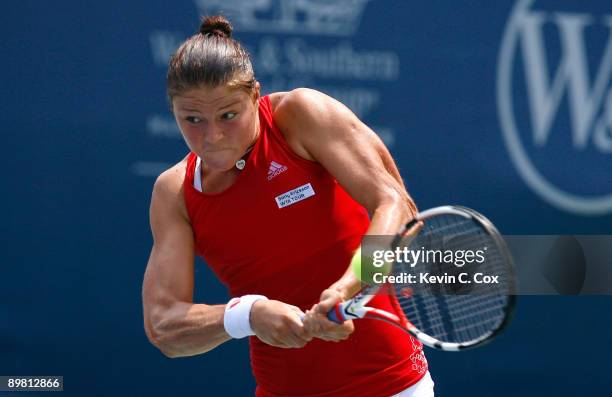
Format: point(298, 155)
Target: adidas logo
point(275, 169)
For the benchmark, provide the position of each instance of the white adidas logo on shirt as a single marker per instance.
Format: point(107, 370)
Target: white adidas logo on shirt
point(275, 169)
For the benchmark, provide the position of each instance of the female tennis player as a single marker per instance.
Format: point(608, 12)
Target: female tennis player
point(274, 195)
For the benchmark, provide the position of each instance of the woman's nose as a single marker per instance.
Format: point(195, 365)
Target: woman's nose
point(212, 134)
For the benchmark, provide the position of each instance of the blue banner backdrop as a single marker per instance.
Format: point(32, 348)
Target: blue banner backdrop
point(503, 106)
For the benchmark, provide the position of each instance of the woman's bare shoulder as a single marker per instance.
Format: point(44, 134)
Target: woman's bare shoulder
point(168, 187)
point(276, 98)
point(286, 107)
point(293, 99)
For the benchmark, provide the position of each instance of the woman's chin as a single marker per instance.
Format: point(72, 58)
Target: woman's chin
point(219, 165)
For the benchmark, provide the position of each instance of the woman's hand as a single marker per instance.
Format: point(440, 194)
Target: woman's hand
point(318, 325)
point(279, 324)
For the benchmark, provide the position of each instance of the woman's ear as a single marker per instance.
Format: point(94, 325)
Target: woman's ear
point(256, 91)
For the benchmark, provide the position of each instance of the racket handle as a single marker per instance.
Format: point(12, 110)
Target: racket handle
point(336, 315)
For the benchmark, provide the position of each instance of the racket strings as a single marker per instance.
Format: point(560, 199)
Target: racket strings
point(447, 319)
point(455, 233)
point(446, 313)
point(465, 320)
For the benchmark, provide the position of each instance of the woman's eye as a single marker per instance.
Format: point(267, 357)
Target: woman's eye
point(193, 119)
point(228, 115)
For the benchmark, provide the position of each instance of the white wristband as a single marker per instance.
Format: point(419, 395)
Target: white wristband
point(237, 317)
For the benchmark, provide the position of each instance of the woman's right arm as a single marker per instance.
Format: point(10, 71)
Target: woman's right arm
point(173, 323)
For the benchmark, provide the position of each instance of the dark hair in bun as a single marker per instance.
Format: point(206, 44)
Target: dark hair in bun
point(216, 26)
point(211, 57)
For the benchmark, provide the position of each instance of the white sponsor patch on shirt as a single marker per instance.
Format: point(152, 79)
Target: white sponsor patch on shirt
point(295, 195)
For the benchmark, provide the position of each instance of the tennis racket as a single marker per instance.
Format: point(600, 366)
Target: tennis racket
point(454, 314)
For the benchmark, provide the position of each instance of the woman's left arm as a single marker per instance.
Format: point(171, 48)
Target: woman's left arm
point(319, 128)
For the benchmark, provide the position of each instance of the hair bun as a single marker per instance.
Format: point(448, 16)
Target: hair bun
point(216, 26)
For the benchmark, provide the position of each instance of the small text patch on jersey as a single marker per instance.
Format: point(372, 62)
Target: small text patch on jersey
point(295, 195)
point(275, 169)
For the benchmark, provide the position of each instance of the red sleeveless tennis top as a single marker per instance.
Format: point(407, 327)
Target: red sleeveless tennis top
point(287, 230)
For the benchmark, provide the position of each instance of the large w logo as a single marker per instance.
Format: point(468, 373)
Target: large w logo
point(585, 85)
point(572, 76)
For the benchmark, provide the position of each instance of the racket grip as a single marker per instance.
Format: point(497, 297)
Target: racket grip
point(336, 314)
